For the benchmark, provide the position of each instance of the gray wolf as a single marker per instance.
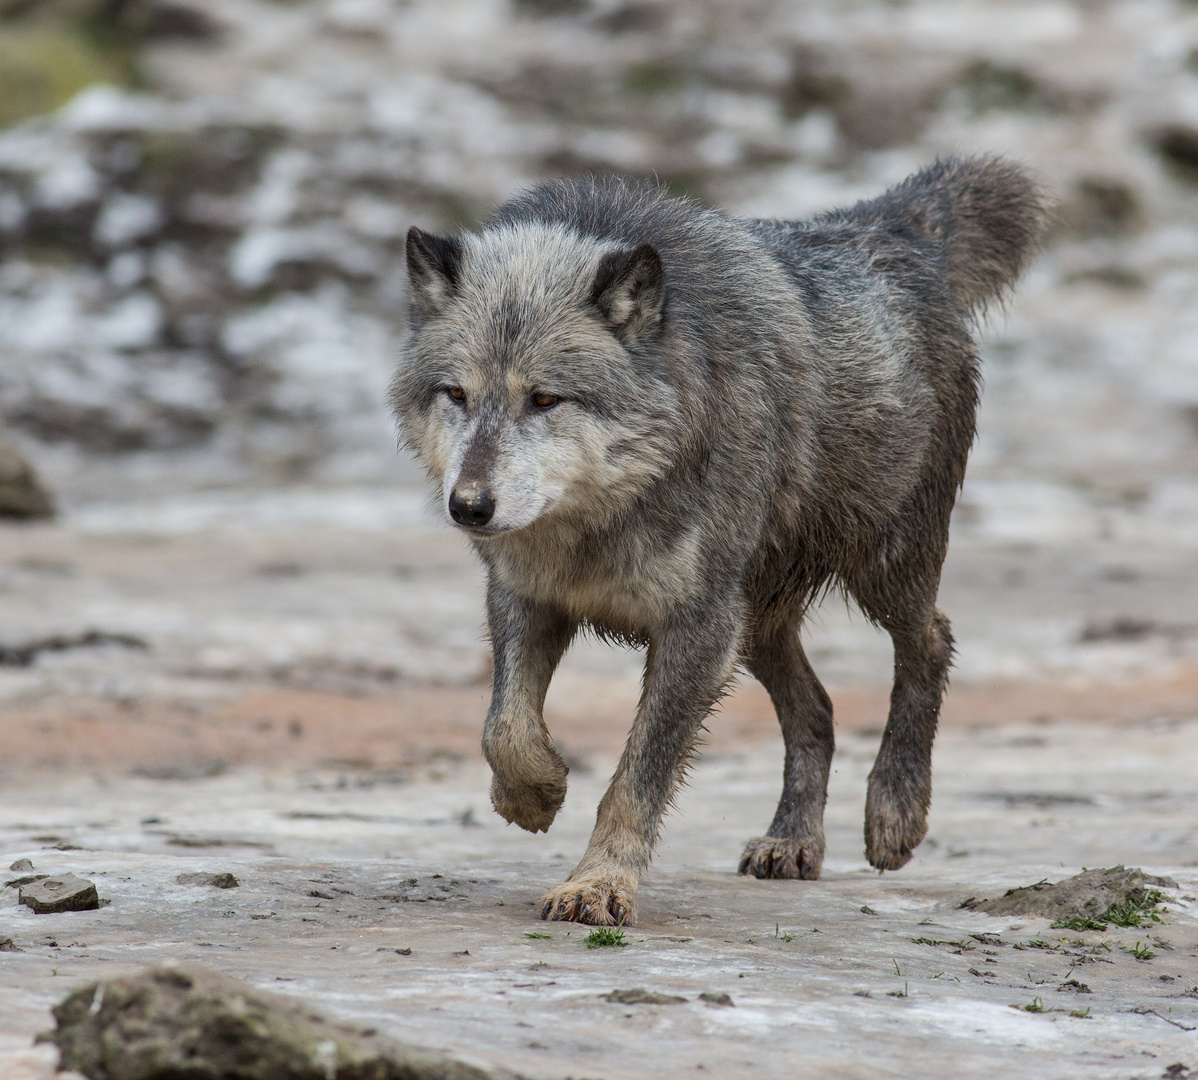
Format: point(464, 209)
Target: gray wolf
point(678, 429)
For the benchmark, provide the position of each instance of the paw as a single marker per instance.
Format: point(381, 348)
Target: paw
point(532, 801)
point(598, 901)
point(775, 857)
point(894, 825)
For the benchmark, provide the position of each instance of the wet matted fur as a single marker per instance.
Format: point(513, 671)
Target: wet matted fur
point(678, 429)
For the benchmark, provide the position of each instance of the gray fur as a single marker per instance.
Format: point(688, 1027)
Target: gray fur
point(733, 417)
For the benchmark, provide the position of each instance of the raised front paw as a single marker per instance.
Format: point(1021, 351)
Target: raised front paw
point(595, 900)
point(894, 824)
point(775, 857)
point(532, 800)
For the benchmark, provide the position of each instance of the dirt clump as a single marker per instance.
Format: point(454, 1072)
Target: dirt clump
point(1116, 894)
point(169, 1022)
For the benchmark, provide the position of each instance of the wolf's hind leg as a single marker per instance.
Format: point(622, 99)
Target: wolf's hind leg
point(900, 783)
point(794, 845)
point(528, 784)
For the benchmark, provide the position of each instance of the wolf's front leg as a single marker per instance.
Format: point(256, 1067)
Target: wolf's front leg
point(528, 784)
point(687, 668)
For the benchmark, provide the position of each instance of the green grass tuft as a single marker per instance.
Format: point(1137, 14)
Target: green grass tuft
point(606, 937)
point(1033, 1006)
point(1140, 952)
point(1137, 912)
point(540, 937)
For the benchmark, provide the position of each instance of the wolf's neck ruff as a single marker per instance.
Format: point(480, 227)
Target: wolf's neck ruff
point(679, 428)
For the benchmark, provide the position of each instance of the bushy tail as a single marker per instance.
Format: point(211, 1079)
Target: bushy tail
point(985, 213)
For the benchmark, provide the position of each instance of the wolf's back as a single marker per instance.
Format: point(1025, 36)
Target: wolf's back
point(984, 214)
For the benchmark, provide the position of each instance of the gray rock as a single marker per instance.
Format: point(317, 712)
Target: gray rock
point(642, 997)
point(65, 892)
point(22, 865)
point(170, 1022)
point(217, 881)
point(21, 493)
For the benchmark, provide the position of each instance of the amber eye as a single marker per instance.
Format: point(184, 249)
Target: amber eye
point(545, 401)
point(457, 393)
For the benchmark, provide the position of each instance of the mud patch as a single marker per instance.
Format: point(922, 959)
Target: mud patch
point(1087, 901)
point(171, 1021)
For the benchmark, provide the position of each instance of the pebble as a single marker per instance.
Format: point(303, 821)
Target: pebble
point(66, 892)
point(217, 881)
point(22, 865)
point(642, 997)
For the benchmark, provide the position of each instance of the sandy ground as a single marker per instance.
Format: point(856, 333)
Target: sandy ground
point(305, 715)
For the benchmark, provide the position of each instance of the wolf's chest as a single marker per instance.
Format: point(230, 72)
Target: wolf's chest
point(630, 584)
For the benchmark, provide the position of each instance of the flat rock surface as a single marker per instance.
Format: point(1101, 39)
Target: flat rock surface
point(343, 870)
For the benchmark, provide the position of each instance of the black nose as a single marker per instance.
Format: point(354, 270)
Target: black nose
point(469, 504)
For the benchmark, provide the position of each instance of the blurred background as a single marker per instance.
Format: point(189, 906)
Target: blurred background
point(202, 291)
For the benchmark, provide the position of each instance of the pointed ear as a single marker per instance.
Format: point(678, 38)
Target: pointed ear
point(630, 291)
point(434, 264)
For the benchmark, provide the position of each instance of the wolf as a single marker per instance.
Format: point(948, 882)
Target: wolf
point(679, 429)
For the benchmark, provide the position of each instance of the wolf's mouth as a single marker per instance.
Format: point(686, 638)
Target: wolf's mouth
point(482, 530)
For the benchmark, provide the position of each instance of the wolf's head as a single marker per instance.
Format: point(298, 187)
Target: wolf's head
point(528, 386)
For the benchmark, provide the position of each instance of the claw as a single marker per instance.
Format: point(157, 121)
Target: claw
point(781, 857)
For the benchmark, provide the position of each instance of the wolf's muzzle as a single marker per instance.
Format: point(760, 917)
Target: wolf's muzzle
point(470, 505)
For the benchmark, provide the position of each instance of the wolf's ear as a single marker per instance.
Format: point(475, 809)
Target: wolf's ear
point(630, 291)
point(434, 264)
